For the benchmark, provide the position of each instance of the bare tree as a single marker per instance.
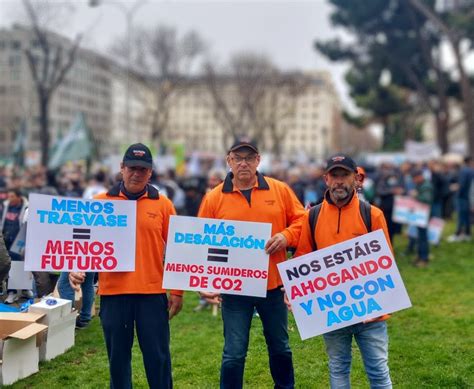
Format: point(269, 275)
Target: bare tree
point(454, 38)
point(48, 68)
point(237, 92)
point(252, 97)
point(275, 114)
point(165, 61)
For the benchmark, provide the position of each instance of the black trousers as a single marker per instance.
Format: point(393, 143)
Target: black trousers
point(120, 315)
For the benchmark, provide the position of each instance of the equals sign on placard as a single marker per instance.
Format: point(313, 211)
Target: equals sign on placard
point(218, 255)
point(81, 233)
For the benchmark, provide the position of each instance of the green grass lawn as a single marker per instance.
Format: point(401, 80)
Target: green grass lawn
point(431, 344)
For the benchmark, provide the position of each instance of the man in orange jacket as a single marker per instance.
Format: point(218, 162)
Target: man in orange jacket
point(137, 299)
point(247, 195)
point(339, 220)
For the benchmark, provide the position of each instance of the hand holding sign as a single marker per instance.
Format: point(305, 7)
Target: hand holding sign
point(76, 279)
point(276, 243)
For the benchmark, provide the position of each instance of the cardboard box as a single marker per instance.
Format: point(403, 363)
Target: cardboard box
point(20, 337)
point(78, 304)
point(53, 313)
point(59, 337)
point(78, 301)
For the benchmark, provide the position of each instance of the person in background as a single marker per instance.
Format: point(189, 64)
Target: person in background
point(296, 183)
point(12, 218)
point(5, 264)
point(389, 184)
point(423, 192)
point(463, 208)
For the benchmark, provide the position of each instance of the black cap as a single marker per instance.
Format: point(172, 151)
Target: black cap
point(244, 142)
point(138, 155)
point(342, 161)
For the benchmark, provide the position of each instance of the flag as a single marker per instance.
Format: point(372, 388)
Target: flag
point(76, 145)
point(57, 141)
point(19, 146)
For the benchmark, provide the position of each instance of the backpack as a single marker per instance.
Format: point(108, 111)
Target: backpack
point(364, 209)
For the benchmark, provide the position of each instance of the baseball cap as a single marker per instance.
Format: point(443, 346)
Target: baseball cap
point(138, 155)
point(342, 161)
point(244, 142)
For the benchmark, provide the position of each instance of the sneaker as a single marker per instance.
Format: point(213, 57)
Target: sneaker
point(421, 264)
point(465, 238)
point(11, 298)
point(27, 293)
point(454, 238)
point(81, 324)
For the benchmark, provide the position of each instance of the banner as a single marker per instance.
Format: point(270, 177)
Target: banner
point(71, 234)
point(407, 210)
point(214, 255)
point(76, 145)
point(343, 284)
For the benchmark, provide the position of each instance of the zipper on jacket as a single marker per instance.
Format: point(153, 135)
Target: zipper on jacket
point(339, 220)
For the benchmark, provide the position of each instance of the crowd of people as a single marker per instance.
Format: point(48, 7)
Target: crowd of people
point(127, 298)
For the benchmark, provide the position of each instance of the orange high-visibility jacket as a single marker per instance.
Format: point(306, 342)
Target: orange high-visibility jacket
point(335, 225)
point(272, 201)
point(153, 213)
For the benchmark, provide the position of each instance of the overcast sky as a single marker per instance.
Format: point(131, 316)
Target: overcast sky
point(284, 30)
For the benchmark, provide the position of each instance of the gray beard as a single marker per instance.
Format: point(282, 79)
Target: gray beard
point(340, 196)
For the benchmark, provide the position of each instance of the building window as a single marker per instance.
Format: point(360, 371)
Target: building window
point(15, 45)
point(14, 60)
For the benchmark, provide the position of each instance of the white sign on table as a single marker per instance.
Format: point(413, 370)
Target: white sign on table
point(343, 284)
point(407, 210)
point(214, 255)
point(71, 234)
point(18, 278)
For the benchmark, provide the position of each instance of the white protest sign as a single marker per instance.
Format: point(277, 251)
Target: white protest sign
point(407, 210)
point(71, 234)
point(18, 278)
point(216, 255)
point(343, 284)
point(435, 229)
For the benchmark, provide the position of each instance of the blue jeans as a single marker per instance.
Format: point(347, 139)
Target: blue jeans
point(372, 339)
point(423, 245)
point(464, 222)
point(67, 292)
point(237, 312)
point(120, 315)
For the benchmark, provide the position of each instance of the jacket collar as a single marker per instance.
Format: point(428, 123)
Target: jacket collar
point(152, 193)
point(228, 186)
